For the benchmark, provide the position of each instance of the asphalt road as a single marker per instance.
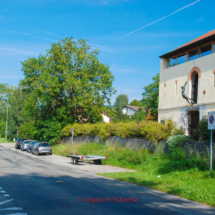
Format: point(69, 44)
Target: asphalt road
point(32, 186)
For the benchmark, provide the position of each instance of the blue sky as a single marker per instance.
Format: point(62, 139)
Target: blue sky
point(28, 27)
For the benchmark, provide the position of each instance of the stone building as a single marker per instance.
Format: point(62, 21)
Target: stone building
point(193, 63)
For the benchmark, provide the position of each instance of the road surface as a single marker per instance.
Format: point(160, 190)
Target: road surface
point(31, 185)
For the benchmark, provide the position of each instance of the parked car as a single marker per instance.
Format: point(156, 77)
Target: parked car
point(30, 145)
point(41, 148)
point(24, 145)
point(19, 142)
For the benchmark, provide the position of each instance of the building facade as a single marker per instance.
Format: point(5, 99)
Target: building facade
point(130, 110)
point(191, 66)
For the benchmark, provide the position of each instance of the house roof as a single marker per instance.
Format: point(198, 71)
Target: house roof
point(208, 37)
point(134, 107)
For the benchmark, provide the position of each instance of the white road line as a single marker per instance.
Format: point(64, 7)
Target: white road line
point(18, 214)
point(0, 188)
point(2, 191)
point(13, 160)
point(12, 209)
point(1, 203)
point(6, 195)
point(28, 167)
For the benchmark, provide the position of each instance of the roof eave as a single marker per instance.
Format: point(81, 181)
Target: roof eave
point(188, 46)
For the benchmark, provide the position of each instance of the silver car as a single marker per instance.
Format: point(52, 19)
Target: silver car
point(41, 148)
point(24, 145)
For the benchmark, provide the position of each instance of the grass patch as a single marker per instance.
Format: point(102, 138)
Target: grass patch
point(2, 140)
point(187, 178)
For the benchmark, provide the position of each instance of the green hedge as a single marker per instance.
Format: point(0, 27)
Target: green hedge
point(146, 129)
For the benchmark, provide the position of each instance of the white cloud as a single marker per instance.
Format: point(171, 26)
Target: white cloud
point(103, 2)
point(115, 69)
point(102, 48)
point(27, 34)
point(49, 33)
point(11, 51)
point(10, 76)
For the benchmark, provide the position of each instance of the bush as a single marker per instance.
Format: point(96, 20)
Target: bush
point(176, 141)
point(145, 129)
point(202, 133)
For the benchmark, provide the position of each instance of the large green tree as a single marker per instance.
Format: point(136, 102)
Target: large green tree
point(121, 101)
point(151, 96)
point(69, 84)
point(136, 103)
point(14, 97)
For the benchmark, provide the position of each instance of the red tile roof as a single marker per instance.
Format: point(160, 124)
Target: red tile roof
point(208, 37)
point(199, 38)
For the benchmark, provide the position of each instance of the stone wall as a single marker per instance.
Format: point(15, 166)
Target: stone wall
point(132, 143)
point(191, 147)
point(198, 148)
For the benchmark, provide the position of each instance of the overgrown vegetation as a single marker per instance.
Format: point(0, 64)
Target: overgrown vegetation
point(146, 129)
point(202, 133)
point(179, 175)
point(176, 141)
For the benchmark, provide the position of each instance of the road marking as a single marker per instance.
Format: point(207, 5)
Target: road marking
point(14, 161)
point(6, 195)
point(0, 188)
point(1, 203)
point(28, 167)
point(18, 214)
point(12, 209)
point(2, 191)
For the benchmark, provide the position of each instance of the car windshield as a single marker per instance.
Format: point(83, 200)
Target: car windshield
point(21, 140)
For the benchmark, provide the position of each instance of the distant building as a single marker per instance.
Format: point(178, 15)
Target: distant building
point(130, 110)
point(193, 63)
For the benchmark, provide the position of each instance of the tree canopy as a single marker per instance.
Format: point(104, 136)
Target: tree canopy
point(68, 84)
point(151, 96)
point(136, 103)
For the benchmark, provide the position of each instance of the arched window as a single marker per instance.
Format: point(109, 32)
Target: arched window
point(195, 79)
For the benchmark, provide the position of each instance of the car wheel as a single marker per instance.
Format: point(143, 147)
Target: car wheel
point(75, 161)
point(72, 160)
point(50, 153)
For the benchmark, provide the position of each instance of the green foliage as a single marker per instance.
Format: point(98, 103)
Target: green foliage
point(67, 85)
point(139, 116)
point(176, 141)
point(151, 96)
point(28, 130)
point(2, 128)
point(202, 133)
point(121, 101)
point(16, 113)
point(136, 103)
point(146, 129)
point(179, 176)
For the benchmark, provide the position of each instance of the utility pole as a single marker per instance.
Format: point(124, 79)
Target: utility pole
point(6, 124)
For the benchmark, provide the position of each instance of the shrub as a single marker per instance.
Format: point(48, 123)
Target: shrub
point(145, 129)
point(202, 133)
point(176, 141)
